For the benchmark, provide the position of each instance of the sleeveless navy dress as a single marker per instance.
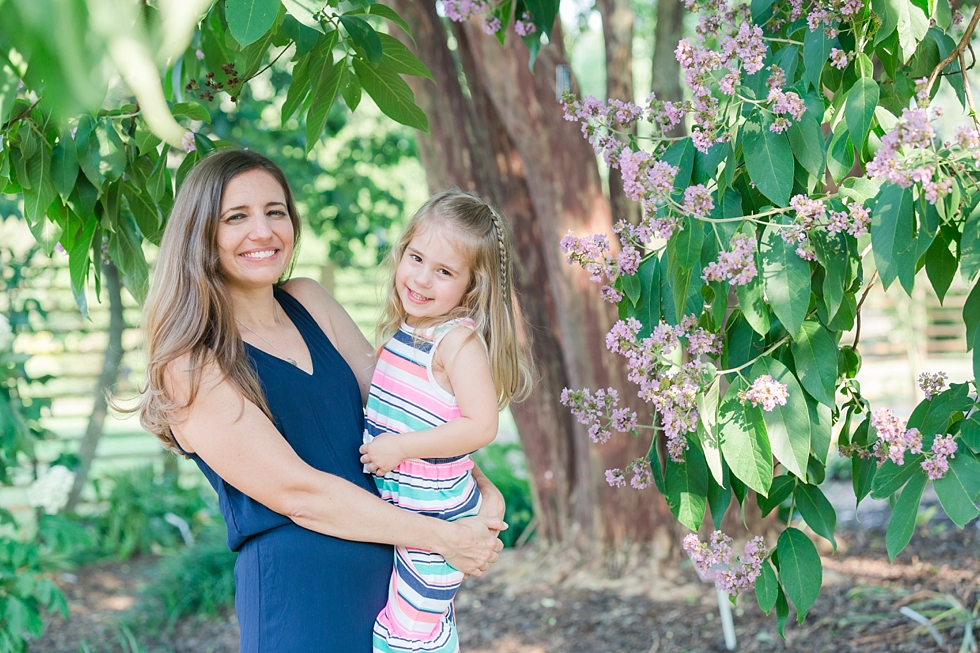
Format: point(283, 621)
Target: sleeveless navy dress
point(298, 591)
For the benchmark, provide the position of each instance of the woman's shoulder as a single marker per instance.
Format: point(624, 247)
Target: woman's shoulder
point(317, 301)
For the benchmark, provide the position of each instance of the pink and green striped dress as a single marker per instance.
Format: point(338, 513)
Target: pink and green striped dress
point(405, 397)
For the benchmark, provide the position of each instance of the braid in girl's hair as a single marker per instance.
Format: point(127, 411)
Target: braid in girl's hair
point(498, 228)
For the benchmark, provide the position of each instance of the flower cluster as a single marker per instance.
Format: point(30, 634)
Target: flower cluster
point(943, 448)
point(899, 159)
point(591, 252)
point(599, 411)
point(736, 266)
point(782, 102)
point(712, 559)
point(839, 59)
point(932, 384)
point(893, 438)
point(813, 213)
point(672, 391)
point(765, 391)
point(642, 475)
point(524, 25)
point(697, 201)
point(50, 492)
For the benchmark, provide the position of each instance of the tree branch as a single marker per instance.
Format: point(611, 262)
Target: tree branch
point(857, 318)
point(957, 51)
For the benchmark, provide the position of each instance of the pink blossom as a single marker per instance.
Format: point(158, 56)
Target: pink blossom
point(697, 201)
point(767, 392)
point(598, 411)
point(491, 24)
point(525, 26)
point(590, 253)
point(736, 266)
point(610, 294)
point(839, 59)
point(615, 478)
point(932, 384)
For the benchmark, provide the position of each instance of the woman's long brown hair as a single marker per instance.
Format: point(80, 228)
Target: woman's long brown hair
point(188, 309)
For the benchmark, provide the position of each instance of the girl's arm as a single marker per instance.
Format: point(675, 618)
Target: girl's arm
point(242, 446)
point(339, 328)
point(469, 375)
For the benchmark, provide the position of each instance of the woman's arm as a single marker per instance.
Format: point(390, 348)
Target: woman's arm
point(469, 375)
point(339, 328)
point(243, 447)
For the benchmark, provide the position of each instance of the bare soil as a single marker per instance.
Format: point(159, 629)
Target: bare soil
point(858, 609)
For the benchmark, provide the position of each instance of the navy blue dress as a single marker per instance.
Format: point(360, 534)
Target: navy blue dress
point(299, 591)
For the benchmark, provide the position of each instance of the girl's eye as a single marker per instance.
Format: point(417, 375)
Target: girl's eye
point(445, 272)
point(415, 257)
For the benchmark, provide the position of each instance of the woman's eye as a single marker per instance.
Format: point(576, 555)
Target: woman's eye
point(278, 214)
point(235, 217)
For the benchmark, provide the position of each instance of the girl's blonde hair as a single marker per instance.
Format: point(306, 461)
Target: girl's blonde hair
point(188, 310)
point(489, 300)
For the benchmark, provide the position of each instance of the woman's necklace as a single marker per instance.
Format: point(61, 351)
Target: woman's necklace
point(275, 310)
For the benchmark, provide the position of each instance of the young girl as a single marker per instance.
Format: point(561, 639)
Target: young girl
point(449, 363)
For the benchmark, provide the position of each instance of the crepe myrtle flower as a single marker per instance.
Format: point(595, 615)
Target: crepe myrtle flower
point(765, 391)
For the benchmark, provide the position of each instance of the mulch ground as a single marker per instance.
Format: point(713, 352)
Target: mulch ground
point(506, 612)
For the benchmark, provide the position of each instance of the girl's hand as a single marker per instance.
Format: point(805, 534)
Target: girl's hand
point(382, 454)
point(493, 501)
point(471, 543)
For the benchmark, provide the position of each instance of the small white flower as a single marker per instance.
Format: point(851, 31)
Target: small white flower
point(50, 492)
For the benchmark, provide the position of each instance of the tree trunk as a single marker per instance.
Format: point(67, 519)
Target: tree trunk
point(617, 34)
point(666, 81)
point(507, 140)
point(107, 378)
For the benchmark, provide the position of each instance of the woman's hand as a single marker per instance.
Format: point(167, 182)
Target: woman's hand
point(493, 501)
point(382, 454)
point(471, 543)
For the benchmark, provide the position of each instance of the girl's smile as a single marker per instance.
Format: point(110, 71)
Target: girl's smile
point(432, 276)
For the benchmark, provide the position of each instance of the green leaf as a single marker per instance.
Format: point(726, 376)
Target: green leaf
point(800, 572)
point(816, 53)
point(709, 434)
point(304, 10)
point(859, 109)
point(817, 512)
point(248, 20)
point(744, 442)
point(781, 489)
point(681, 155)
point(788, 426)
point(392, 95)
point(324, 93)
point(9, 85)
point(42, 192)
point(831, 250)
point(719, 498)
point(687, 488)
point(787, 280)
point(647, 307)
point(768, 158)
point(959, 488)
point(365, 37)
point(821, 424)
point(766, 587)
point(940, 265)
point(970, 433)
point(299, 88)
point(806, 141)
point(304, 37)
point(145, 212)
point(902, 523)
point(891, 230)
point(971, 315)
point(156, 183)
point(398, 58)
point(64, 164)
point(678, 282)
point(192, 110)
point(815, 355)
point(389, 13)
point(932, 417)
point(782, 611)
point(970, 246)
point(684, 246)
point(911, 23)
point(890, 477)
point(840, 154)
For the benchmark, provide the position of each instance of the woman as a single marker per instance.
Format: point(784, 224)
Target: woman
point(262, 384)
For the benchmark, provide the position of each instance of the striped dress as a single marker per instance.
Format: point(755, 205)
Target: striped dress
point(405, 397)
